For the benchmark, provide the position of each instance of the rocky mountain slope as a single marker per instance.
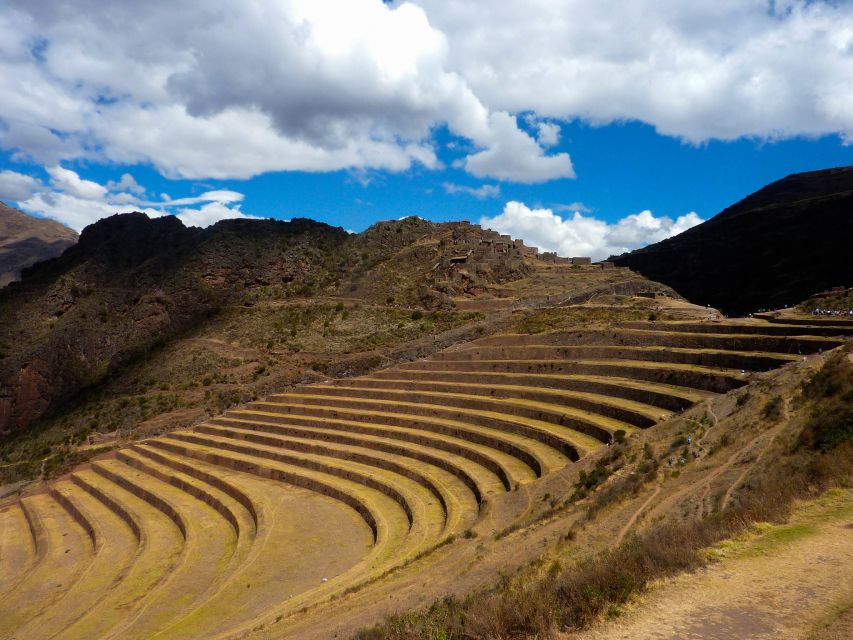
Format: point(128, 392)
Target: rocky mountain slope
point(773, 248)
point(25, 240)
point(132, 285)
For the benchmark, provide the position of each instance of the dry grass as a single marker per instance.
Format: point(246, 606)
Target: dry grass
point(572, 597)
point(830, 390)
point(581, 317)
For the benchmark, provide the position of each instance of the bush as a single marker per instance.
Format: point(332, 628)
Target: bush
point(830, 423)
point(772, 409)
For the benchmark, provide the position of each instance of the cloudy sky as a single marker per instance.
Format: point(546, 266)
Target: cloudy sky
point(587, 126)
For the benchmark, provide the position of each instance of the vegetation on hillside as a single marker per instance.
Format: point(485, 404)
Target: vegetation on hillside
point(541, 602)
point(830, 393)
point(146, 325)
point(583, 317)
point(841, 301)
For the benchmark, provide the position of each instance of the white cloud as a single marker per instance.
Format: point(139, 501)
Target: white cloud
point(582, 235)
point(481, 193)
point(221, 196)
point(126, 183)
point(16, 186)
point(547, 133)
point(209, 214)
point(70, 183)
point(338, 84)
point(515, 156)
point(361, 84)
point(572, 207)
point(73, 211)
point(696, 70)
point(77, 203)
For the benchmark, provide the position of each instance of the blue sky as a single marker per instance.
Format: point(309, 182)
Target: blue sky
point(621, 169)
point(586, 127)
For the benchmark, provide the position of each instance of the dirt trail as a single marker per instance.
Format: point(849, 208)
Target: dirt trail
point(707, 480)
point(636, 515)
point(771, 436)
point(782, 584)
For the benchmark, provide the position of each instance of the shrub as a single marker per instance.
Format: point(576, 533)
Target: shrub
point(830, 423)
point(772, 410)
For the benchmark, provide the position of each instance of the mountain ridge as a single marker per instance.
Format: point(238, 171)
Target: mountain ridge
point(779, 245)
point(26, 240)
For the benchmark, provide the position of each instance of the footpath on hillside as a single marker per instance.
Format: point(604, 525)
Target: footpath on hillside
point(790, 581)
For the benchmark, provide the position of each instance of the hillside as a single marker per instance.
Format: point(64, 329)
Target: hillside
point(25, 240)
point(146, 325)
point(526, 482)
point(772, 249)
point(267, 429)
point(279, 429)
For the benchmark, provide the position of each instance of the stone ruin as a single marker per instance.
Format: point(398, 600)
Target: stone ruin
point(472, 257)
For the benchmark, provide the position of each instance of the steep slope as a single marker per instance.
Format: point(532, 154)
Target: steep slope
point(771, 249)
point(312, 512)
point(133, 285)
point(25, 240)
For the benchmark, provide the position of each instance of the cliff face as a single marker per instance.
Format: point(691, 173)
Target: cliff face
point(773, 248)
point(25, 240)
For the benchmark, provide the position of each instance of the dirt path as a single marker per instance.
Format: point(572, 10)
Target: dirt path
point(706, 481)
point(771, 436)
point(636, 515)
point(781, 584)
point(224, 348)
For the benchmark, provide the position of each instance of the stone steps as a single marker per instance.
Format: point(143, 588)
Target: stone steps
point(533, 445)
point(286, 556)
point(388, 520)
point(726, 359)
point(423, 508)
point(509, 397)
point(650, 394)
point(159, 549)
point(68, 552)
point(459, 503)
point(17, 546)
point(517, 457)
point(491, 470)
point(662, 336)
point(210, 544)
point(304, 496)
point(560, 444)
point(692, 376)
point(836, 322)
point(762, 328)
point(115, 547)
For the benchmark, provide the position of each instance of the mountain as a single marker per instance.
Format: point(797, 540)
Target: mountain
point(774, 248)
point(133, 285)
point(25, 240)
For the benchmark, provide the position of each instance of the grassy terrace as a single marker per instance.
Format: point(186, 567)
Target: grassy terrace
point(306, 496)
